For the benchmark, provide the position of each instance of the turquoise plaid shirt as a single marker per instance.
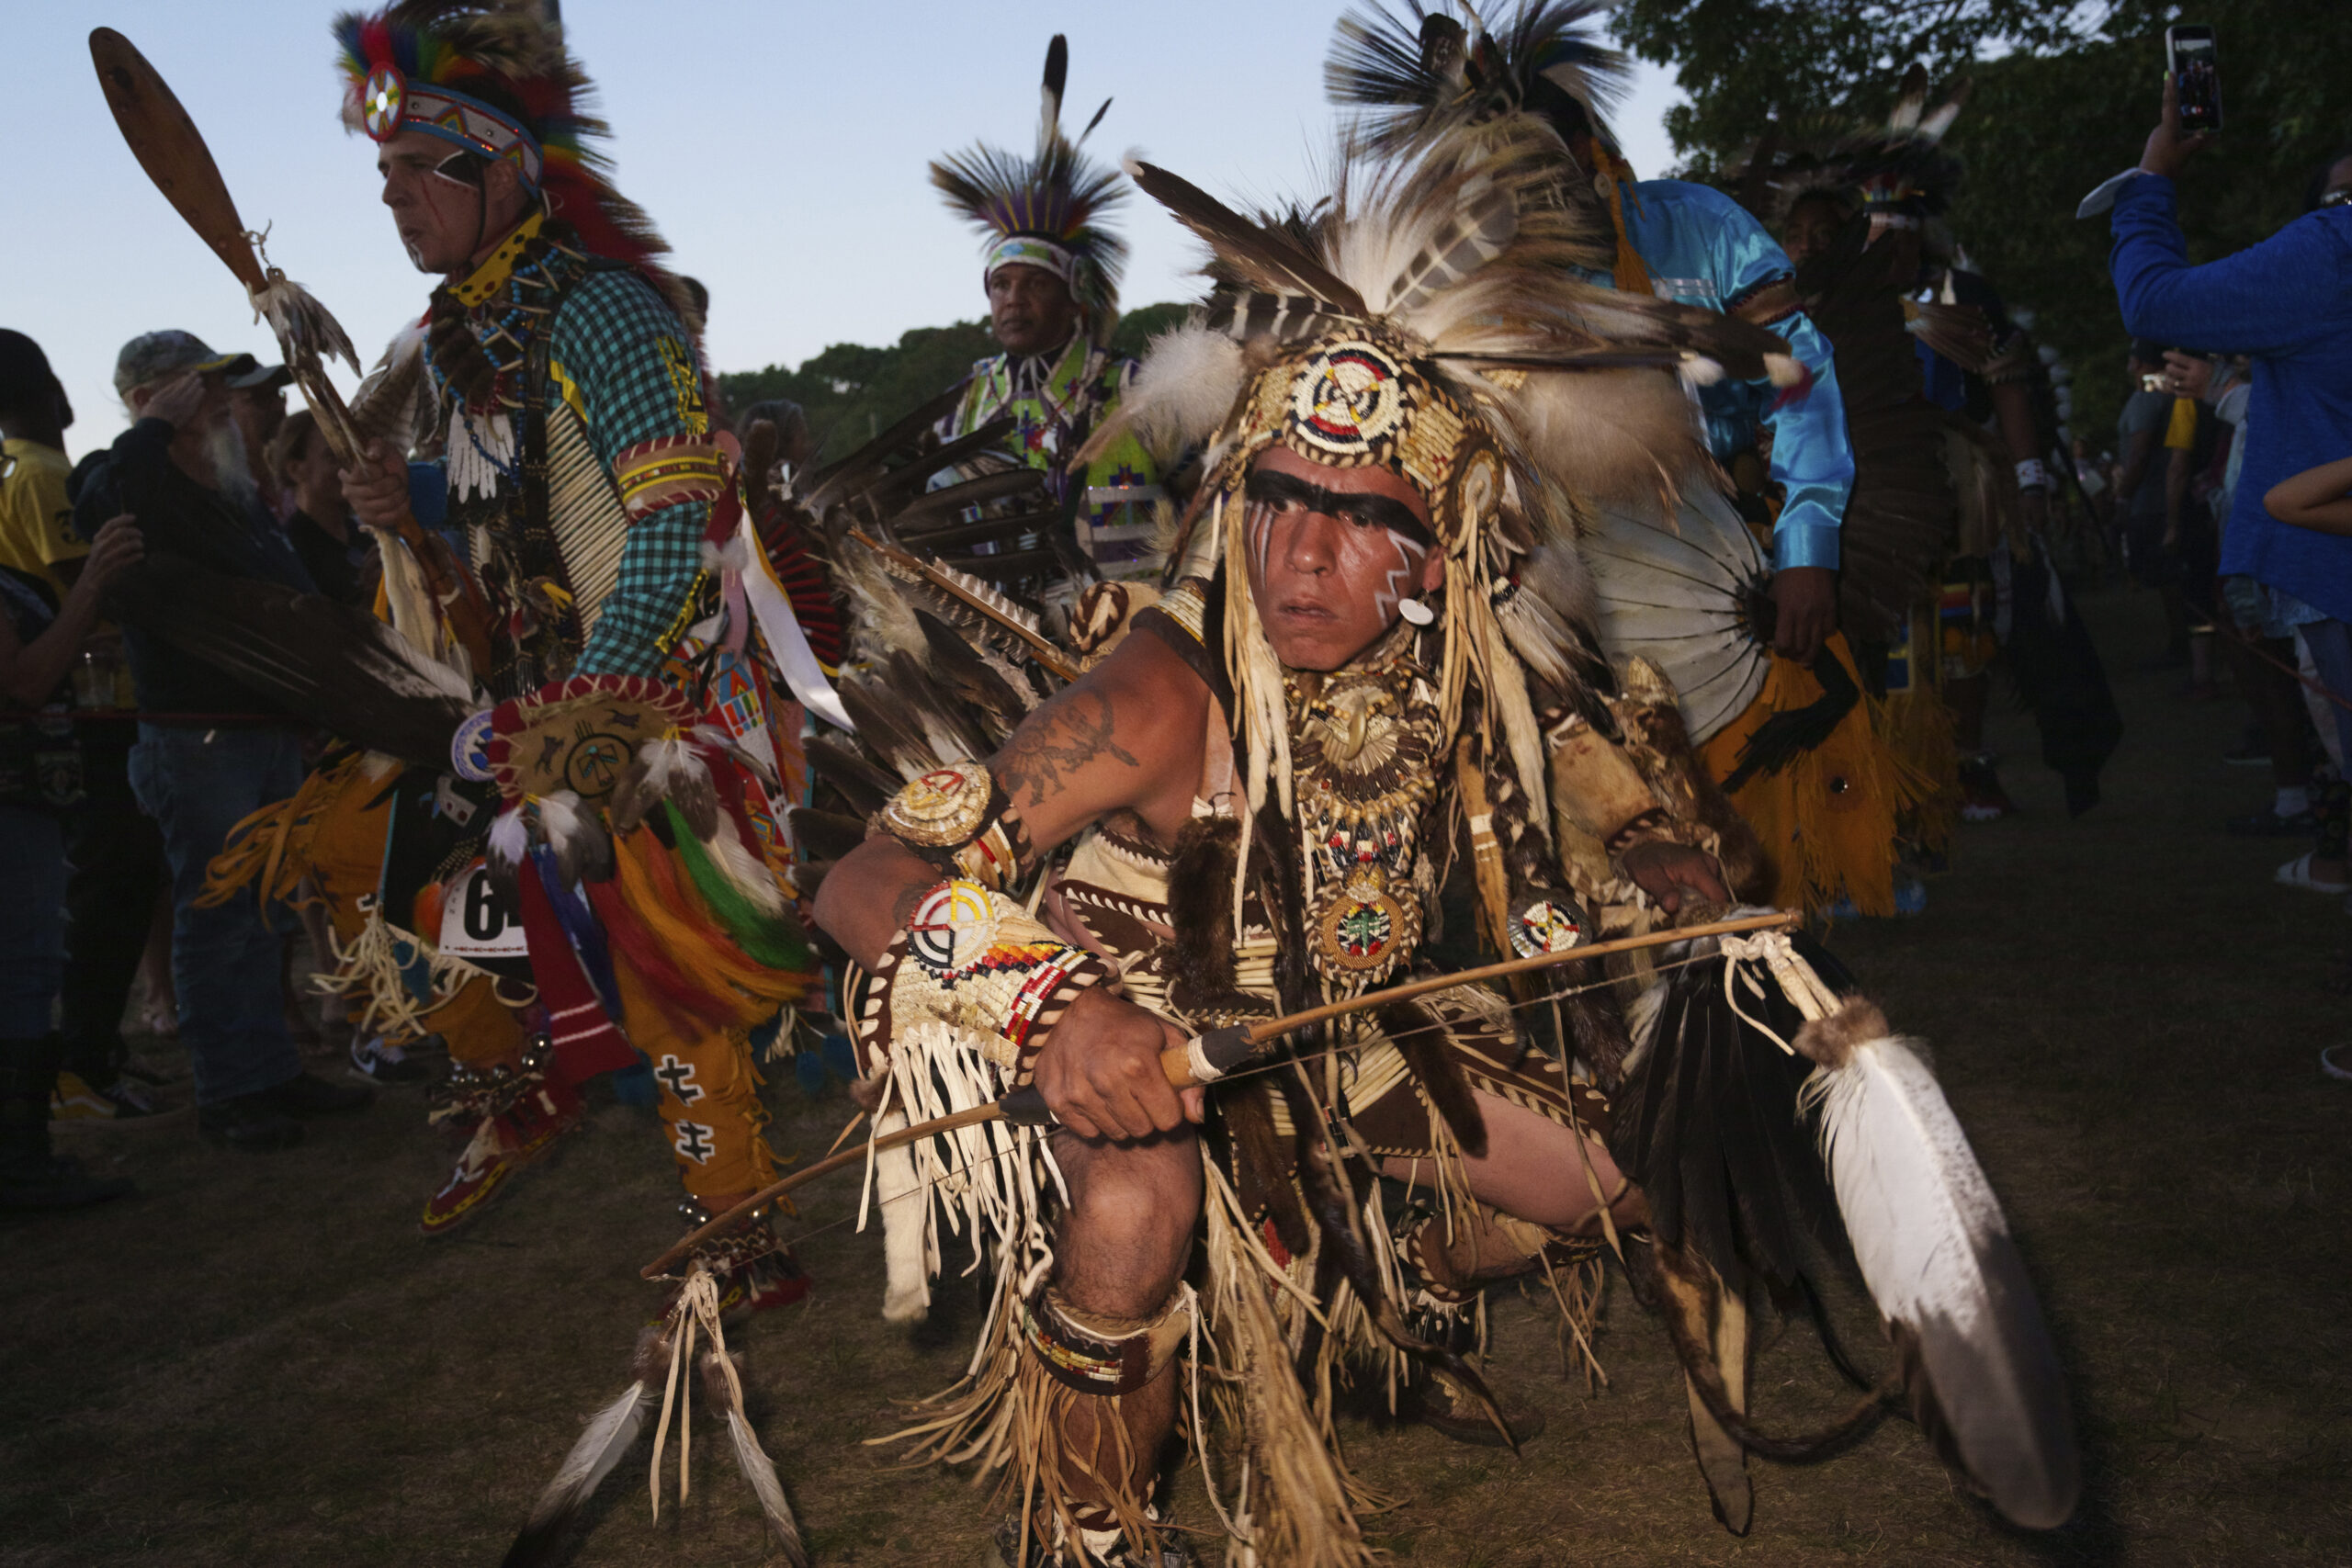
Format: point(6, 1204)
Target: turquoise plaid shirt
point(621, 359)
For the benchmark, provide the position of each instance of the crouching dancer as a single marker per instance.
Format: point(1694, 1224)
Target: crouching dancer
point(1364, 734)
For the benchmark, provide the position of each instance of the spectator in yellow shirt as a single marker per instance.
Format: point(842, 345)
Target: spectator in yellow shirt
point(36, 538)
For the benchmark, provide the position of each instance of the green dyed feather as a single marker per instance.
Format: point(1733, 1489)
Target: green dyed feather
point(774, 940)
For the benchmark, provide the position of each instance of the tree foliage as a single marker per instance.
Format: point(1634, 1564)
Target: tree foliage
point(851, 393)
point(2065, 97)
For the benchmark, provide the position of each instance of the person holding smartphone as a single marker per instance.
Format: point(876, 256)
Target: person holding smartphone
point(2286, 304)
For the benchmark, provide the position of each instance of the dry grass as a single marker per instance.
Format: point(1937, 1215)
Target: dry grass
point(258, 1361)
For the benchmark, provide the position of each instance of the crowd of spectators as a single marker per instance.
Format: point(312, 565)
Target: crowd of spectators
point(2234, 494)
point(123, 764)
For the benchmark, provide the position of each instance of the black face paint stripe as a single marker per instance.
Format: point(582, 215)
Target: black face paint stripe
point(1353, 506)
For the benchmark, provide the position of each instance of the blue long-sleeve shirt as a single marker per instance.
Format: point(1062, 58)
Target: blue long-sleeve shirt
point(1704, 249)
point(2287, 303)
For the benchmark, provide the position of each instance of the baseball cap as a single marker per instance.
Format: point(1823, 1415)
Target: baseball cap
point(150, 357)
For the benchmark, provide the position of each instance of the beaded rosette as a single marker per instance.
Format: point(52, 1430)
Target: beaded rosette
point(975, 960)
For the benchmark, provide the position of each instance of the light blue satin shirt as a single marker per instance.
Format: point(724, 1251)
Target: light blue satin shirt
point(1704, 249)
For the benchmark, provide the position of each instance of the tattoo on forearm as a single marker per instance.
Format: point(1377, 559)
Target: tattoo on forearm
point(1064, 738)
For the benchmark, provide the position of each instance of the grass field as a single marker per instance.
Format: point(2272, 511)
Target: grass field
point(259, 1361)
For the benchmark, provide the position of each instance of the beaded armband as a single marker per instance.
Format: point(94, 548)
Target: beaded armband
point(974, 959)
point(958, 819)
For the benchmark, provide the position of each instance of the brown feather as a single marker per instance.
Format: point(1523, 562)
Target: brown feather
point(1255, 255)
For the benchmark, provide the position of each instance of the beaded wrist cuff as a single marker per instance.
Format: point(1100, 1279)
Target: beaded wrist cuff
point(974, 959)
point(958, 819)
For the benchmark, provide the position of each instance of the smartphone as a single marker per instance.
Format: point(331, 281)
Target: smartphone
point(2197, 76)
point(2152, 383)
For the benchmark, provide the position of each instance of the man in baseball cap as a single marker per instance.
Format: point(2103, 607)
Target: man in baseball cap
point(209, 751)
point(152, 356)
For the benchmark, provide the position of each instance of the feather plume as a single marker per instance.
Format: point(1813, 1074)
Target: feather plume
point(1910, 101)
point(969, 680)
point(304, 328)
point(743, 868)
point(1937, 1254)
point(675, 771)
point(866, 787)
point(760, 1472)
point(1898, 165)
point(1254, 253)
point(394, 402)
point(510, 836)
point(607, 1438)
point(334, 665)
point(1181, 393)
point(583, 850)
point(1410, 67)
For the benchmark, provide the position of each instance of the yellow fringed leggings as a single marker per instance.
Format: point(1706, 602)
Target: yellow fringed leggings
point(346, 857)
point(709, 1093)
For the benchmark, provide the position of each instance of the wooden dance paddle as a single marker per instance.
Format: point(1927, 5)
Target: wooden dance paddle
point(1202, 1060)
point(168, 146)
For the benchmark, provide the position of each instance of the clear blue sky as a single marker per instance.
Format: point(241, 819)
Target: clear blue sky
point(780, 147)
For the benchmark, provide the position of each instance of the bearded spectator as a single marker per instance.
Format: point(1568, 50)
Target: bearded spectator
point(209, 751)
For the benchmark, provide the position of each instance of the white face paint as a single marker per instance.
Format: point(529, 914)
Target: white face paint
point(1403, 577)
point(1257, 527)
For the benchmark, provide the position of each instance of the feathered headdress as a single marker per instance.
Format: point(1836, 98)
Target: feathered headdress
point(1416, 66)
point(1426, 323)
point(1419, 71)
point(1899, 171)
point(1046, 211)
point(493, 77)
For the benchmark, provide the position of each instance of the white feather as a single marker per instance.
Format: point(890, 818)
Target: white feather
point(509, 836)
point(558, 818)
point(735, 556)
point(1936, 1254)
point(761, 1472)
point(600, 1448)
point(743, 868)
point(1915, 1200)
point(669, 761)
point(1183, 388)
